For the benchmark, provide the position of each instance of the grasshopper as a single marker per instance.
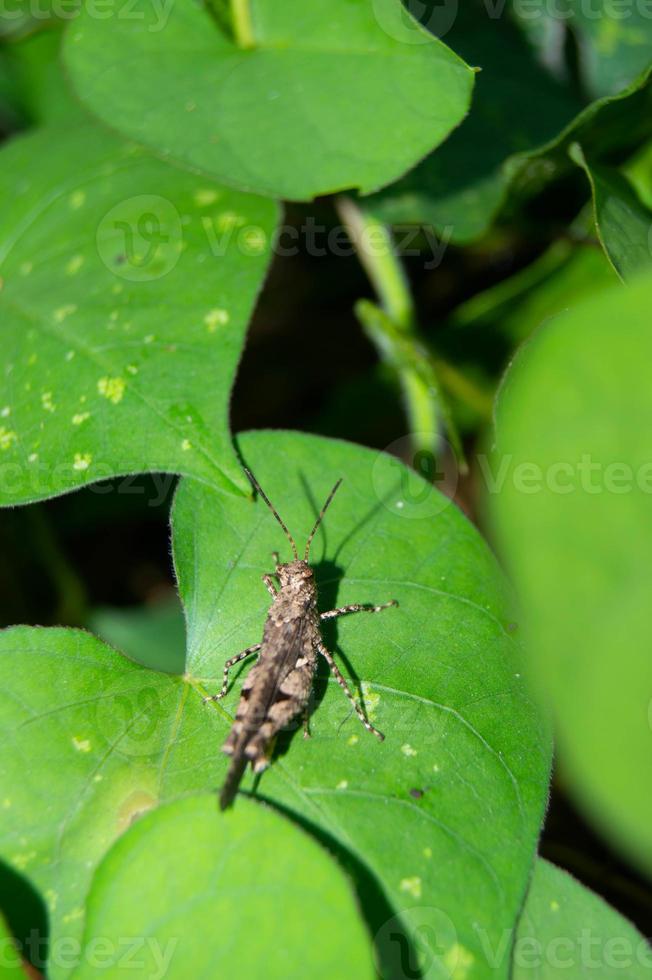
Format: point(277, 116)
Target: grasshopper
point(278, 687)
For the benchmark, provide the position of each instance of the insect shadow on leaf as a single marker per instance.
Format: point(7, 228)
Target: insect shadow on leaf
point(279, 686)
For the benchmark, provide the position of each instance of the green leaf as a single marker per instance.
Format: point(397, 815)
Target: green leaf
point(622, 222)
point(222, 892)
point(89, 739)
point(128, 286)
point(38, 85)
point(324, 96)
point(574, 468)
point(154, 636)
point(461, 186)
point(613, 40)
point(503, 146)
point(463, 768)
point(567, 930)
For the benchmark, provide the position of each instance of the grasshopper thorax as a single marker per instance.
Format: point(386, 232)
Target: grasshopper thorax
point(294, 573)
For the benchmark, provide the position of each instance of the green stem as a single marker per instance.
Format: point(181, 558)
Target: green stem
point(464, 390)
point(393, 329)
point(377, 255)
point(243, 27)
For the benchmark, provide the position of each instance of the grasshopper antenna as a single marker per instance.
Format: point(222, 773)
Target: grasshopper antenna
point(321, 517)
point(274, 511)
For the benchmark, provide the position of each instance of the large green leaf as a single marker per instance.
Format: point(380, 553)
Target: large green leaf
point(128, 286)
point(566, 930)
point(503, 145)
point(571, 507)
point(445, 812)
point(622, 222)
point(323, 96)
point(613, 39)
point(460, 781)
point(242, 894)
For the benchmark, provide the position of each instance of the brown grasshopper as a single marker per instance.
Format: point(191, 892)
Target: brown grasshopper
point(278, 686)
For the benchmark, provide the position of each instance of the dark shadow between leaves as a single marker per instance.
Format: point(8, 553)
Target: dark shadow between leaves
point(26, 916)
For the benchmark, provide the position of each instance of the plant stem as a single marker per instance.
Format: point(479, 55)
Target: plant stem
point(243, 28)
point(377, 255)
point(393, 329)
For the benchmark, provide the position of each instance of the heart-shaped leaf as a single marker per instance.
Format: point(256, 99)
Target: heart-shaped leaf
point(566, 930)
point(622, 222)
point(318, 97)
point(250, 884)
point(463, 767)
point(574, 454)
point(462, 774)
point(127, 289)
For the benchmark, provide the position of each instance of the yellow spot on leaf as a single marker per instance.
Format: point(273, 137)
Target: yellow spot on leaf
point(32, 457)
point(112, 388)
point(73, 915)
point(216, 318)
point(408, 750)
point(132, 369)
point(63, 312)
point(186, 445)
point(255, 240)
point(205, 196)
point(427, 852)
point(150, 338)
point(7, 438)
point(343, 784)
point(137, 803)
point(353, 740)
point(26, 268)
point(6, 803)
point(77, 200)
point(458, 961)
point(69, 355)
point(228, 220)
point(81, 744)
point(412, 886)
point(6, 412)
point(81, 462)
point(52, 898)
point(371, 699)
point(80, 417)
point(47, 403)
point(74, 265)
point(22, 860)
point(554, 906)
